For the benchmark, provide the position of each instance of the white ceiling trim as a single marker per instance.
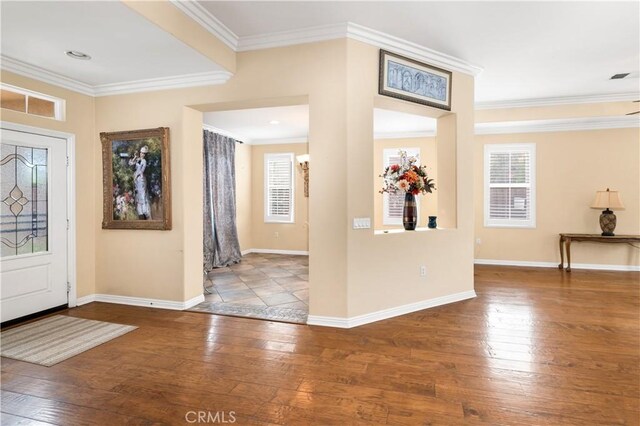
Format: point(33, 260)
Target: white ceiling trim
point(360, 33)
point(293, 37)
point(209, 22)
point(163, 83)
point(563, 100)
point(405, 135)
point(558, 125)
point(403, 47)
point(37, 73)
point(146, 85)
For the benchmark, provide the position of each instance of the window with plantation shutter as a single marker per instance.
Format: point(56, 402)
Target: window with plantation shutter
point(509, 185)
point(278, 188)
point(393, 204)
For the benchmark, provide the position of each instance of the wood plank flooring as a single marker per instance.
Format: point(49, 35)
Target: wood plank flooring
point(537, 346)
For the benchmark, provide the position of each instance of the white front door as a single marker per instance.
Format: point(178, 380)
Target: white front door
point(33, 223)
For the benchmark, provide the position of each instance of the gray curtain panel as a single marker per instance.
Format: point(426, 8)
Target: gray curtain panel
point(221, 246)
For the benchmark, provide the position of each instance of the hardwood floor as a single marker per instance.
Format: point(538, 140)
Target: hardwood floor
point(537, 346)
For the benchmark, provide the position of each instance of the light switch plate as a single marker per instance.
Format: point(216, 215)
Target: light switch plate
point(361, 223)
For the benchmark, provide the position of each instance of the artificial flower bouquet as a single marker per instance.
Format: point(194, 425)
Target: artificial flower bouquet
point(407, 177)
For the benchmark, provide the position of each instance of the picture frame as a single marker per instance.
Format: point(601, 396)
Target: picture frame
point(136, 179)
point(410, 80)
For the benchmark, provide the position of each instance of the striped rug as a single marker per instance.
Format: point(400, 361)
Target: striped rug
point(54, 339)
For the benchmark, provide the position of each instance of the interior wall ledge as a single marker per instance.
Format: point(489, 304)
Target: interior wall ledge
point(145, 85)
point(558, 125)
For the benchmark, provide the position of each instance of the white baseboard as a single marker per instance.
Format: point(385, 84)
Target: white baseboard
point(388, 313)
point(273, 251)
point(139, 301)
point(595, 266)
point(85, 299)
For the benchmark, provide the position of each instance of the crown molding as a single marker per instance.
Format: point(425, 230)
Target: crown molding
point(405, 135)
point(360, 33)
point(410, 49)
point(151, 84)
point(293, 37)
point(37, 73)
point(561, 100)
point(163, 83)
point(558, 125)
point(195, 11)
point(321, 33)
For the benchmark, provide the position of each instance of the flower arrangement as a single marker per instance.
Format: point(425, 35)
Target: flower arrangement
point(407, 177)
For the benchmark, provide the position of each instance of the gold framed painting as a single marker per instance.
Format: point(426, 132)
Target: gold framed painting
point(136, 179)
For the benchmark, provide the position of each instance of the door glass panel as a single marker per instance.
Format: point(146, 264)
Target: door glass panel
point(23, 200)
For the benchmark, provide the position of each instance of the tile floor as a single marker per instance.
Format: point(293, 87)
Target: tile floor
point(266, 280)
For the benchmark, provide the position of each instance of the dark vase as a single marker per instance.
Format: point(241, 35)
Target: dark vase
point(432, 222)
point(410, 212)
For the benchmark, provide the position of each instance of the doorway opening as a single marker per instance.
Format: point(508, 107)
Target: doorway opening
point(270, 277)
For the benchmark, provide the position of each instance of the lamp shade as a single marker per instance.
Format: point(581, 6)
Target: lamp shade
point(608, 200)
point(303, 158)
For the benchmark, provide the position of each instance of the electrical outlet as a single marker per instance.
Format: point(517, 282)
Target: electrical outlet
point(423, 271)
point(478, 241)
point(276, 235)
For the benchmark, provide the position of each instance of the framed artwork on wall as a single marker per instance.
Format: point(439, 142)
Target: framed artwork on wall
point(136, 179)
point(414, 81)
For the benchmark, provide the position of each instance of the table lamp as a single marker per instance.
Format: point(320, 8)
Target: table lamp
point(607, 200)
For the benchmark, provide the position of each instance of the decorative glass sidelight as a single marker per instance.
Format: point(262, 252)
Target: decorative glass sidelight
point(23, 200)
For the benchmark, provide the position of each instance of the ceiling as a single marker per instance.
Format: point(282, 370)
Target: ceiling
point(254, 127)
point(528, 50)
point(124, 46)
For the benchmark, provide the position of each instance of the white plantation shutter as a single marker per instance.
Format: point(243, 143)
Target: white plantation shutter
point(278, 188)
point(509, 185)
point(393, 204)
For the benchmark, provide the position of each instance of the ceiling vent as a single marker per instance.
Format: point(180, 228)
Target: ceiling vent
point(619, 76)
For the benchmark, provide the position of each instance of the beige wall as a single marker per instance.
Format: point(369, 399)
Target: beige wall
point(570, 167)
point(166, 264)
point(244, 190)
point(338, 80)
point(80, 122)
point(428, 157)
point(341, 125)
point(383, 270)
point(290, 236)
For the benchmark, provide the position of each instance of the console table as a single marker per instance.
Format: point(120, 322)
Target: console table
point(566, 239)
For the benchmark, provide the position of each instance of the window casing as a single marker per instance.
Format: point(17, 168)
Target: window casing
point(510, 185)
point(32, 103)
point(393, 204)
point(279, 200)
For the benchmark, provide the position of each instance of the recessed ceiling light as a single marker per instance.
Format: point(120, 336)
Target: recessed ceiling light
point(274, 122)
point(77, 55)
